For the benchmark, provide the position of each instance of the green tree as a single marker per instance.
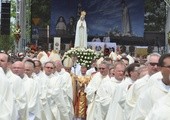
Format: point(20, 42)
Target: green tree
point(41, 9)
point(155, 15)
point(6, 42)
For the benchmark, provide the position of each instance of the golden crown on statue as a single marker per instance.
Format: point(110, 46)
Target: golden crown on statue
point(83, 13)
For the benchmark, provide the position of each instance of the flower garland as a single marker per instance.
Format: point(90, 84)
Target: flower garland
point(17, 33)
point(84, 56)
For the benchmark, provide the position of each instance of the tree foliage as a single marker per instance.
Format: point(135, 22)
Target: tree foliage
point(155, 15)
point(41, 9)
point(6, 42)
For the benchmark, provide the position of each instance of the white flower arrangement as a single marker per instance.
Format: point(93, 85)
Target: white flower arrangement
point(84, 56)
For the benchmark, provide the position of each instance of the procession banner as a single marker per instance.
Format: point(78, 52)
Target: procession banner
point(57, 43)
point(127, 17)
point(111, 46)
point(97, 46)
point(141, 50)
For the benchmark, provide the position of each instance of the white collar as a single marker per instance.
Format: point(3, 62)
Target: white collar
point(113, 79)
point(163, 86)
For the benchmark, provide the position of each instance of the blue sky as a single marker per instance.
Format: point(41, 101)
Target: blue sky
point(102, 15)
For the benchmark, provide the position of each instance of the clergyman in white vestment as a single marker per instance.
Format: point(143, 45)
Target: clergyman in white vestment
point(140, 85)
point(159, 89)
point(6, 98)
point(66, 85)
point(18, 102)
point(31, 89)
point(118, 100)
point(99, 93)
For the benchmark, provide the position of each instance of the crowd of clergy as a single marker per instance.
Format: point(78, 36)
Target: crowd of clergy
point(45, 87)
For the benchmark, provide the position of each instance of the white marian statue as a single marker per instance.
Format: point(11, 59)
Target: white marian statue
point(81, 32)
point(126, 20)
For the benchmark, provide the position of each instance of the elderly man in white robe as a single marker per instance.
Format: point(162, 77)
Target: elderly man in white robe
point(116, 108)
point(31, 88)
point(67, 64)
point(119, 92)
point(66, 85)
point(56, 95)
point(38, 69)
point(37, 72)
point(141, 84)
point(6, 98)
point(99, 93)
point(29, 67)
point(19, 94)
point(43, 81)
point(159, 89)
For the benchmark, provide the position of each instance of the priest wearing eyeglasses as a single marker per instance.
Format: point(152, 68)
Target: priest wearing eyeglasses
point(99, 93)
point(158, 90)
point(141, 84)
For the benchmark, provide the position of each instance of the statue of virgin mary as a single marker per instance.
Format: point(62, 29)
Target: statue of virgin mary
point(81, 32)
